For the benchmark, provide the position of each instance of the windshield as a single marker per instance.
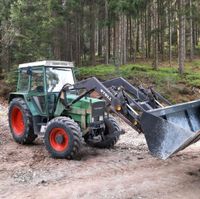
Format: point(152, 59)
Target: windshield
point(57, 78)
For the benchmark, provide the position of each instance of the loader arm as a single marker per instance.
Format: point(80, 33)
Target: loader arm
point(117, 102)
point(118, 82)
point(149, 98)
point(167, 129)
point(90, 85)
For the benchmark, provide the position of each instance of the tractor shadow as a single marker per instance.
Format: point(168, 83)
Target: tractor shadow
point(87, 153)
point(195, 173)
point(39, 150)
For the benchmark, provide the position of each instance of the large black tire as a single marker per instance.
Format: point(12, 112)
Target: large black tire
point(20, 122)
point(111, 135)
point(63, 138)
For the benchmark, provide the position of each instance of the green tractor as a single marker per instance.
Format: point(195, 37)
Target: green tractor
point(45, 105)
point(51, 103)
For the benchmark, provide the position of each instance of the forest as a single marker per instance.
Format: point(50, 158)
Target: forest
point(123, 123)
point(152, 42)
point(99, 31)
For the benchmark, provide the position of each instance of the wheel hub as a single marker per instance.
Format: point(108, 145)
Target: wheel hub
point(59, 139)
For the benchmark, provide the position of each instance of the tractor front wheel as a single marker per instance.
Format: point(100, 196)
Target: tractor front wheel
point(63, 138)
point(20, 122)
point(110, 135)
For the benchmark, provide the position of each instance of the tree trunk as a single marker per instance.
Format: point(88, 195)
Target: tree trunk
point(124, 39)
point(114, 41)
point(181, 53)
point(107, 34)
point(99, 42)
point(143, 36)
point(155, 36)
point(92, 34)
point(162, 30)
point(191, 33)
point(149, 19)
point(138, 35)
point(170, 32)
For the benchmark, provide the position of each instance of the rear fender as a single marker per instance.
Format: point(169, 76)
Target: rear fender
point(33, 109)
point(15, 95)
point(34, 112)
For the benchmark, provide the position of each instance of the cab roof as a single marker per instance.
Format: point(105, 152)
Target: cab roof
point(53, 63)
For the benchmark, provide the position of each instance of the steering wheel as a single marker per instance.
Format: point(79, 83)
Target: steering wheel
point(39, 89)
point(66, 85)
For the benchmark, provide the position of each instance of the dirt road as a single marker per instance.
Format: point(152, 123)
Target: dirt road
point(127, 171)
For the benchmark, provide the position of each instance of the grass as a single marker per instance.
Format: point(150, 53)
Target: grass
point(163, 75)
point(165, 79)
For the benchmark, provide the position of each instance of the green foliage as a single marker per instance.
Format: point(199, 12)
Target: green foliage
point(32, 22)
point(10, 83)
point(129, 7)
point(101, 71)
point(162, 77)
point(193, 79)
point(11, 79)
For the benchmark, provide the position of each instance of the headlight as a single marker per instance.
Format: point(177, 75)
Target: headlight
point(118, 108)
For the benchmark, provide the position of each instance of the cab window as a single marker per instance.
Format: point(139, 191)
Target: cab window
point(37, 89)
point(37, 80)
point(23, 80)
point(58, 77)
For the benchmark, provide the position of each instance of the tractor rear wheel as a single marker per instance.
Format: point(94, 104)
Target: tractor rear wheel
point(110, 136)
point(20, 122)
point(63, 138)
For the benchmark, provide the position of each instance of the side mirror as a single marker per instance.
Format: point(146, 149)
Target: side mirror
point(29, 71)
point(77, 72)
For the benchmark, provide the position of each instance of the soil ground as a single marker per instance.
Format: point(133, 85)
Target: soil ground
point(127, 171)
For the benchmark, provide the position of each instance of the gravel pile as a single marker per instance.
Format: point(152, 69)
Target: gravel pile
point(3, 108)
point(131, 140)
point(3, 120)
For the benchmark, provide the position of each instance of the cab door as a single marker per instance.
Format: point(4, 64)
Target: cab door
point(37, 91)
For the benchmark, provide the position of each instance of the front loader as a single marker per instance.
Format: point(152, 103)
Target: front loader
point(49, 102)
point(167, 128)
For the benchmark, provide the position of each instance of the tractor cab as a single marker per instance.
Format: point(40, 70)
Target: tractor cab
point(42, 81)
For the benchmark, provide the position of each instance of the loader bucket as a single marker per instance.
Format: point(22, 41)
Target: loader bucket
point(171, 129)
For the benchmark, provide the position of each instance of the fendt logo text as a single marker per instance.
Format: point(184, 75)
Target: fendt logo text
point(106, 95)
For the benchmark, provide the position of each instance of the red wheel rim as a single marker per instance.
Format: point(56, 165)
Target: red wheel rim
point(63, 143)
point(17, 121)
